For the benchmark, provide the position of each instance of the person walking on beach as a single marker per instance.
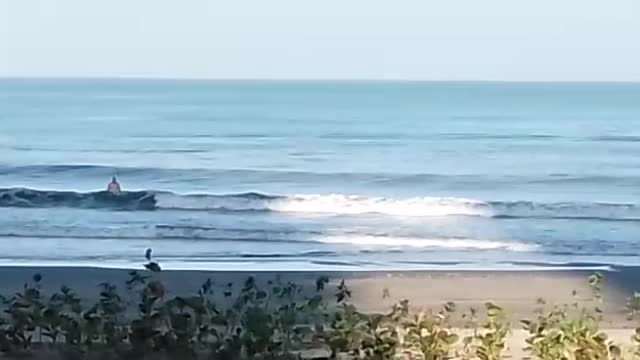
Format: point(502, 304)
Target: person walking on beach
point(114, 186)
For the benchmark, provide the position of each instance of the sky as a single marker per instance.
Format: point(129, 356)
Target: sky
point(499, 40)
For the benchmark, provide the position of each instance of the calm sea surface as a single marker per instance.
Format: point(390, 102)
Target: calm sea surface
point(320, 175)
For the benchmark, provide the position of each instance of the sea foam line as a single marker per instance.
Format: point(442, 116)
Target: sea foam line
point(341, 204)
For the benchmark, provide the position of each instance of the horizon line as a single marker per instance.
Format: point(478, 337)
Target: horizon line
point(300, 80)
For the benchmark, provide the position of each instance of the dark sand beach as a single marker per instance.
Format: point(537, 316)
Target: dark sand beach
point(516, 291)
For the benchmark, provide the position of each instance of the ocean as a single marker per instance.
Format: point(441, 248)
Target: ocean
point(250, 175)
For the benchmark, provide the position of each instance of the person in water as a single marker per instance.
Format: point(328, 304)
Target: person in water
point(114, 186)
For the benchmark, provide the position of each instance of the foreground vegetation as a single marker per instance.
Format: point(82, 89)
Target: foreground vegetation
point(280, 321)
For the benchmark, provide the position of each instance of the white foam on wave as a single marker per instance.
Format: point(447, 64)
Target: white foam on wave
point(331, 204)
point(442, 243)
point(387, 241)
point(213, 202)
point(353, 204)
point(342, 204)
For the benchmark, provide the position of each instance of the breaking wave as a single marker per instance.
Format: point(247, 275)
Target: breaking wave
point(30, 198)
point(332, 204)
point(340, 204)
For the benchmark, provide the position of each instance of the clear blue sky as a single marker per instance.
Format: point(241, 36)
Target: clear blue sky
point(323, 39)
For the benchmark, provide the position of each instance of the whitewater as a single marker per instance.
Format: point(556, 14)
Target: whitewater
point(337, 204)
point(320, 175)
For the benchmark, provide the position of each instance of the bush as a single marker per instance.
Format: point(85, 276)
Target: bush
point(277, 321)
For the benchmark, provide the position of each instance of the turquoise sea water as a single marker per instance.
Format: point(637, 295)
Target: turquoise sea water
point(331, 175)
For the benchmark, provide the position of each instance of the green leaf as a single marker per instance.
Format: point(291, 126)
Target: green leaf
point(250, 283)
point(153, 266)
point(261, 295)
point(451, 339)
point(314, 302)
point(321, 282)
point(595, 279)
point(493, 310)
point(450, 307)
point(616, 352)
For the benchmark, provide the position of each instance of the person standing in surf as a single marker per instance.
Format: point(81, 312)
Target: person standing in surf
point(114, 186)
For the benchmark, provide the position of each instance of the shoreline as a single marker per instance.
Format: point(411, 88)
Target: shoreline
point(306, 265)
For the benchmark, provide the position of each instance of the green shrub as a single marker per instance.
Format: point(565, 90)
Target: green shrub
point(276, 320)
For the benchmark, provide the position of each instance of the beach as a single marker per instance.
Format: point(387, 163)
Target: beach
point(517, 292)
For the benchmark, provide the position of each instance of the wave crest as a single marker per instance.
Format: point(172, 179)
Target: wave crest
point(332, 204)
point(30, 198)
point(326, 204)
point(339, 204)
